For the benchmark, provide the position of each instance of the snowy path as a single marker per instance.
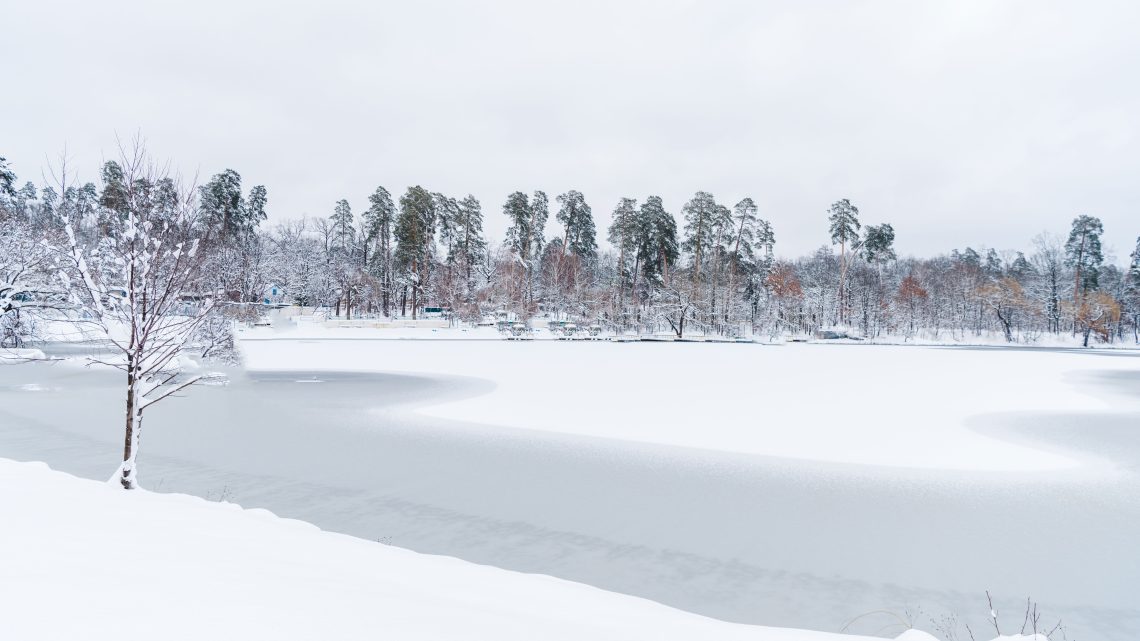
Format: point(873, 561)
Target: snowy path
point(738, 536)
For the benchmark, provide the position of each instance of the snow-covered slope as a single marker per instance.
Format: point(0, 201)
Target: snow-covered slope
point(84, 560)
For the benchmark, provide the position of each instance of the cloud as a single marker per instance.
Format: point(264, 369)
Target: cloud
point(967, 123)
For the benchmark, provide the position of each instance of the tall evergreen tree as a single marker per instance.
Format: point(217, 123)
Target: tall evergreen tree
point(378, 220)
point(743, 232)
point(1021, 268)
point(223, 205)
point(255, 206)
point(1083, 253)
point(414, 232)
point(7, 179)
point(540, 212)
point(343, 231)
point(1134, 268)
point(519, 231)
point(657, 244)
point(844, 229)
point(525, 235)
point(471, 246)
point(844, 225)
point(114, 194)
point(446, 216)
point(700, 220)
point(879, 244)
point(622, 234)
point(577, 219)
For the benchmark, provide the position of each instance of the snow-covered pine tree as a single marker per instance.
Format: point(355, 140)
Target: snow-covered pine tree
point(415, 226)
point(343, 231)
point(517, 211)
point(222, 204)
point(7, 179)
point(700, 213)
point(378, 221)
point(844, 229)
point(1083, 254)
point(471, 248)
point(741, 257)
point(540, 213)
point(657, 245)
point(580, 235)
point(622, 234)
point(878, 245)
point(255, 207)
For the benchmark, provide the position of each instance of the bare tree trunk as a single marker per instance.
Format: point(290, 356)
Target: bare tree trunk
point(126, 470)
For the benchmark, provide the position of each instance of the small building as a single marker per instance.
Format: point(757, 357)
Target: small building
point(273, 295)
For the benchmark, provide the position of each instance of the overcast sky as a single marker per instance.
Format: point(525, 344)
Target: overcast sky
point(961, 123)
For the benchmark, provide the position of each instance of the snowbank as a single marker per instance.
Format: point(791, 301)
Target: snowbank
point(83, 560)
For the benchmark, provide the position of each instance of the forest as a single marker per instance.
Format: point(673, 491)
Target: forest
point(709, 267)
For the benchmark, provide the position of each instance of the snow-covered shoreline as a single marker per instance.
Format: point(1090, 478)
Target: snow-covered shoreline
point(84, 560)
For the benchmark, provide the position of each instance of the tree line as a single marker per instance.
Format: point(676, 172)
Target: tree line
point(711, 269)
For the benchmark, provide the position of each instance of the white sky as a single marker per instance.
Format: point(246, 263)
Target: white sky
point(961, 123)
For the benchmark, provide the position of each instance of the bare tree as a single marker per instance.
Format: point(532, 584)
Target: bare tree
point(141, 287)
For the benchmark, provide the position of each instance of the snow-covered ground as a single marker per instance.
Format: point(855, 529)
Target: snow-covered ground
point(84, 560)
point(522, 455)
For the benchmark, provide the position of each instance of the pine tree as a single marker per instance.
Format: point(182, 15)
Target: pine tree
point(577, 219)
point(1134, 268)
point(343, 231)
point(378, 219)
point(114, 194)
point(446, 215)
point(878, 244)
point(1021, 268)
point(700, 215)
point(844, 230)
point(993, 267)
point(518, 212)
point(1083, 253)
point(622, 234)
point(472, 247)
point(7, 179)
point(744, 230)
point(540, 212)
point(657, 244)
point(414, 231)
point(722, 226)
point(525, 235)
point(765, 243)
point(741, 255)
point(223, 205)
point(255, 206)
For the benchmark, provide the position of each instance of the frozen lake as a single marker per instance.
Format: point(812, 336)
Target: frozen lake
point(799, 485)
